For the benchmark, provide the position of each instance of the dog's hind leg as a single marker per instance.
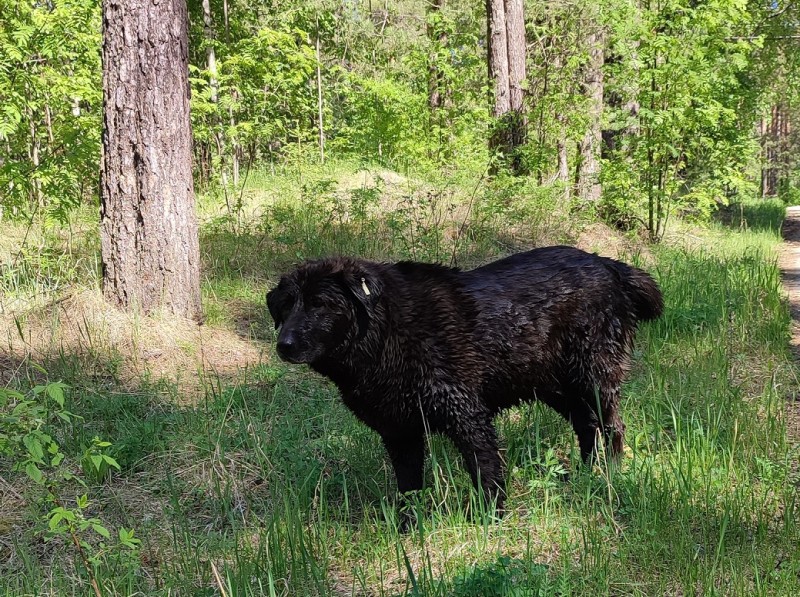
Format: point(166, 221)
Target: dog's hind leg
point(584, 422)
point(599, 410)
point(613, 427)
point(580, 410)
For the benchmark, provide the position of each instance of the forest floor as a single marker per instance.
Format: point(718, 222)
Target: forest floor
point(789, 262)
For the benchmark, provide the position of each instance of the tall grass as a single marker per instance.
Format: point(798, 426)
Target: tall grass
point(268, 486)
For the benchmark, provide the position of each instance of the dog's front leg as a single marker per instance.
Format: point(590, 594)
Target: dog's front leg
point(407, 453)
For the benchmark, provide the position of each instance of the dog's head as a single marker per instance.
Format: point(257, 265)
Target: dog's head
point(322, 308)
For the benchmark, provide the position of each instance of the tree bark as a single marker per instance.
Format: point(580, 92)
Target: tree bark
point(506, 55)
point(204, 150)
point(515, 39)
point(561, 148)
point(588, 175)
point(320, 122)
point(149, 234)
point(762, 130)
point(497, 55)
point(437, 37)
point(37, 199)
point(211, 57)
point(624, 106)
point(772, 163)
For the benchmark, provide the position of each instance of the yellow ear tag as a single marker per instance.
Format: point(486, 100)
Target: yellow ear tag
point(364, 287)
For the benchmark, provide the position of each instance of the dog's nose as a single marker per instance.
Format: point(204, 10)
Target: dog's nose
point(285, 345)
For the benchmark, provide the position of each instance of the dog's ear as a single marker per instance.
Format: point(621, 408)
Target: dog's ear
point(275, 299)
point(364, 289)
point(362, 285)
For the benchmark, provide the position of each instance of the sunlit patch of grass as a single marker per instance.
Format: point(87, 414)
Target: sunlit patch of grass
point(42, 261)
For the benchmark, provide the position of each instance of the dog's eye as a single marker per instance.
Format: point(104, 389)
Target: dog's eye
point(316, 301)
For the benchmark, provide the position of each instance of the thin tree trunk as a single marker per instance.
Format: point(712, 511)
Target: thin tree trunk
point(498, 72)
point(783, 147)
point(588, 180)
point(439, 88)
point(206, 160)
point(211, 56)
point(37, 198)
point(771, 175)
point(319, 104)
point(225, 17)
point(561, 149)
point(48, 119)
point(235, 148)
point(149, 235)
point(762, 129)
point(437, 37)
point(516, 52)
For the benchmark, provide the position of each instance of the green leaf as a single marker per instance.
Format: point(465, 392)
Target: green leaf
point(101, 530)
point(56, 392)
point(55, 519)
point(34, 446)
point(111, 461)
point(34, 473)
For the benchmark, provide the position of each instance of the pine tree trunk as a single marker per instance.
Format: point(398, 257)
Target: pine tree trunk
point(588, 176)
point(497, 57)
point(515, 38)
point(506, 60)
point(149, 236)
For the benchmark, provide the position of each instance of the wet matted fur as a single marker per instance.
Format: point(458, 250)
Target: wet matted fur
point(417, 348)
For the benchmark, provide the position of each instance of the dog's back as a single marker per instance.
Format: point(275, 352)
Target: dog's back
point(556, 322)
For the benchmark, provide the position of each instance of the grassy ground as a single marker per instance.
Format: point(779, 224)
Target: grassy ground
point(261, 483)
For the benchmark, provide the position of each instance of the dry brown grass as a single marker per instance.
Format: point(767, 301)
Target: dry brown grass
point(127, 347)
point(602, 239)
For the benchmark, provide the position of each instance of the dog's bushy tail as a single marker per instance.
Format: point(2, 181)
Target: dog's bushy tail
point(648, 302)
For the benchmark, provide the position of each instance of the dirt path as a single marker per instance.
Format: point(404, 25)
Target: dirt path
point(789, 262)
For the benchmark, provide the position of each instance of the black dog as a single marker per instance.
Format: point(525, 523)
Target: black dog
point(417, 348)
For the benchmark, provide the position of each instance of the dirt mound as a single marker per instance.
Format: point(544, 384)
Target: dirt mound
point(82, 329)
point(604, 240)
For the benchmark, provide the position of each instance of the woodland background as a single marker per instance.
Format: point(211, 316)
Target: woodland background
point(144, 454)
point(693, 100)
